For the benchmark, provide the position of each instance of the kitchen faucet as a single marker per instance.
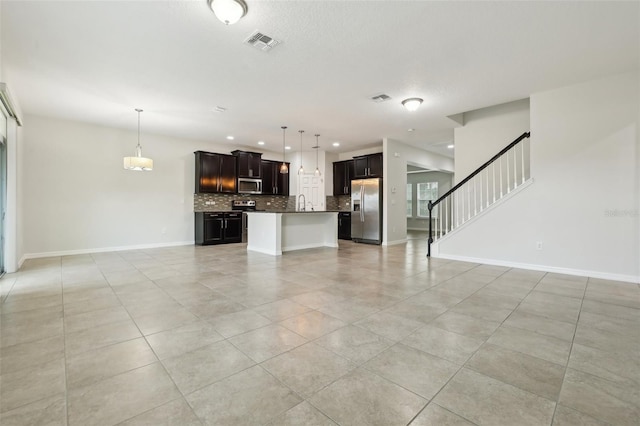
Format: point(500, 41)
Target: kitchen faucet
point(304, 203)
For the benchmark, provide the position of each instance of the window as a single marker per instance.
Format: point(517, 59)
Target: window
point(409, 200)
point(426, 191)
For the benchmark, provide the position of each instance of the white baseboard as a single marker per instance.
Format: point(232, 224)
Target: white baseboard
point(264, 251)
point(543, 268)
point(308, 246)
point(418, 229)
point(101, 250)
point(393, 243)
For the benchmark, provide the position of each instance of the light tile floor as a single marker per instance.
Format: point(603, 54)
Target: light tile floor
point(362, 335)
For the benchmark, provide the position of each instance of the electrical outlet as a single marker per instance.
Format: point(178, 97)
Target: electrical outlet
point(539, 245)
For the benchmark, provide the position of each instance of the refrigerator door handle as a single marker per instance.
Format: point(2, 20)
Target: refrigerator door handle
point(361, 203)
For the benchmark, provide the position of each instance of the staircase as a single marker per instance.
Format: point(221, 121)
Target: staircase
point(489, 183)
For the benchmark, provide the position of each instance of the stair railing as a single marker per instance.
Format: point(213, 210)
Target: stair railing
point(496, 178)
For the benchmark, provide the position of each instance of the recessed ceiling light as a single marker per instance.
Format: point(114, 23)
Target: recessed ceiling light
point(230, 138)
point(287, 147)
point(260, 142)
point(220, 109)
point(450, 146)
point(411, 130)
point(336, 144)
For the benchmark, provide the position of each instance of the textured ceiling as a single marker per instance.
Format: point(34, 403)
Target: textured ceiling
point(96, 61)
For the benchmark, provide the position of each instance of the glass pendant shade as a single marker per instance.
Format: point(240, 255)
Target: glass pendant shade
point(317, 172)
point(138, 162)
point(301, 169)
point(283, 167)
point(228, 11)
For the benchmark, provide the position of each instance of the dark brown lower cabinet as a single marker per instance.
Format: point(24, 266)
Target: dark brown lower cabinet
point(344, 225)
point(218, 228)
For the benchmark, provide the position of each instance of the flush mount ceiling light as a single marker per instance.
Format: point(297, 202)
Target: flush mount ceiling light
point(450, 146)
point(260, 142)
point(301, 169)
point(138, 163)
point(283, 167)
point(230, 138)
point(317, 172)
point(228, 11)
point(336, 144)
point(412, 104)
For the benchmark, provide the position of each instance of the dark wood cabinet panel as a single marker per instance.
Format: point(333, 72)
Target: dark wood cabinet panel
point(274, 182)
point(375, 165)
point(218, 228)
point(282, 179)
point(215, 173)
point(367, 166)
point(268, 177)
point(249, 164)
point(344, 225)
point(343, 172)
point(361, 166)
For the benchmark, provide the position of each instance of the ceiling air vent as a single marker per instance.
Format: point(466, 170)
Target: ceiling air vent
point(261, 41)
point(380, 98)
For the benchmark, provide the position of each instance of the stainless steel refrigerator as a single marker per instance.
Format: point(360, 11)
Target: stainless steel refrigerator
point(366, 211)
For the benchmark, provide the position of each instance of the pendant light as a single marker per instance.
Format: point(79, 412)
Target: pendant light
point(317, 172)
point(301, 169)
point(283, 167)
point(138, 163)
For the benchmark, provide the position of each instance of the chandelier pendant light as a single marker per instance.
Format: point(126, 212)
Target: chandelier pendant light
point(301, 169)
point(412, 104)
point(228, 11)
point(138, 162)
point(317, 172)
point(283, 167)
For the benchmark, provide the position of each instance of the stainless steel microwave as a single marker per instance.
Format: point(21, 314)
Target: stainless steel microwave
point(249, 186)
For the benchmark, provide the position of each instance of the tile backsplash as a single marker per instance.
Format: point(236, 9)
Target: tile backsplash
point(222, 202)
point(339, 202)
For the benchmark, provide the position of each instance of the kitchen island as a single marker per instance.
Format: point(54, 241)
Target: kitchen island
point(277, 232)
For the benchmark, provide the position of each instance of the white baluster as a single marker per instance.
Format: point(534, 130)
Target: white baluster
point(522, 158)
point(481, 189)
point(487, 186)
point(501, 192)
point(506, 157)
point(446, 215)
point(515, 167)
point(494, 181)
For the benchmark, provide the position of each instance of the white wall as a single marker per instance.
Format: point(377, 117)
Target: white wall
point(77, 196)
point(585, 165)
point(485, 132)
point(396, 155)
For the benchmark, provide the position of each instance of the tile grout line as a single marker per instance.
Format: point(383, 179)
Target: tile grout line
point(575, 331)
point(479, 347)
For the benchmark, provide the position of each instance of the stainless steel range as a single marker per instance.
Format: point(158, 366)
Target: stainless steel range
point(244, 206)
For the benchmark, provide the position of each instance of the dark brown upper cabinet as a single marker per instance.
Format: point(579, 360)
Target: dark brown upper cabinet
point(343, 172)
point(215, 173)
point(249, 164)
point(367, 166)
point(274, 182)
